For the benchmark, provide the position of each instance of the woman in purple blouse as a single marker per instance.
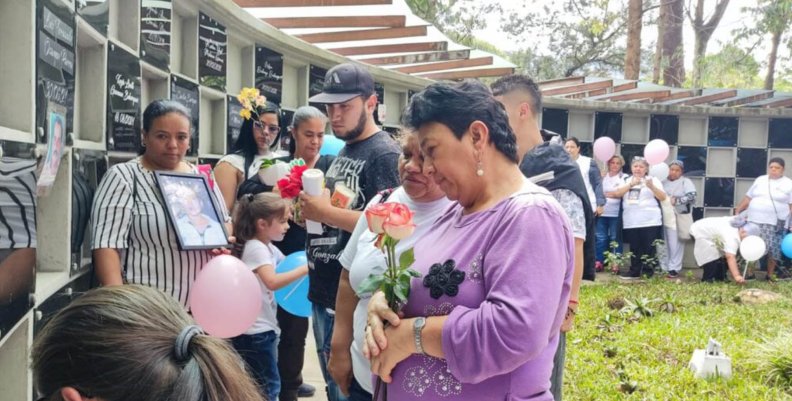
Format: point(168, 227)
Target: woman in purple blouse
point(483, 321)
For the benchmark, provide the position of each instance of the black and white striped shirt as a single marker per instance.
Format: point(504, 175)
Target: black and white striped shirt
point(17, 203)
point(129, 215)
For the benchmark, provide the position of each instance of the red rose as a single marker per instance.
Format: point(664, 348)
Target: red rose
point(291, 186)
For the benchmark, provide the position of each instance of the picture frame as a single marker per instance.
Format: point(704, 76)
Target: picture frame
point(56, 144)
point(192, 210)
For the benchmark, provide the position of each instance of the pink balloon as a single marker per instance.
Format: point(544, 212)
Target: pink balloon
point(225, 298)
point(604, 149)
point(656, 151)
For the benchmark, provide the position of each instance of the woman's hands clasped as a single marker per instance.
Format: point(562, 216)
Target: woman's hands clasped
point(386, 346)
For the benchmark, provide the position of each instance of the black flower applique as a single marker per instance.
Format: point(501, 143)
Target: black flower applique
point(443, 279)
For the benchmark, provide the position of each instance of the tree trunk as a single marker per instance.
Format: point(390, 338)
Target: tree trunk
point(632, 58)
point(657, 67)
point(771, 60)
point(673, 53)
point(703, 31)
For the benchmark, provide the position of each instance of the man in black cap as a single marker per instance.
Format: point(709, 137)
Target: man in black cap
point(366, 165)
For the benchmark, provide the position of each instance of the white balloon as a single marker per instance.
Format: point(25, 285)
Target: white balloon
point(752, 248)
point(659, 171)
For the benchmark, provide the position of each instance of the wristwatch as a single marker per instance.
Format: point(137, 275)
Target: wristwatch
point(418, 325)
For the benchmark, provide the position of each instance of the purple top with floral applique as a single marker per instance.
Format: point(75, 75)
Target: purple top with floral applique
point(503, 323)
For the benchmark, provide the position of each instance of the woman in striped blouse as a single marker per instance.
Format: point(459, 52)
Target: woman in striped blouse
point(133, 239)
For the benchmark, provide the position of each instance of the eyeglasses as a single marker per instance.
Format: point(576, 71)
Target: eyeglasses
point(272, 129)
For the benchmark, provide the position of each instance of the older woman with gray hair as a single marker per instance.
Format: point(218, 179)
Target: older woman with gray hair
point(718, 239)
point(682, 194)
point(642, 217)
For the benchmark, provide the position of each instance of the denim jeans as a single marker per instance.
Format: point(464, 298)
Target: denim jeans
point(607, 232)
point(323, 321)
point(260, 353)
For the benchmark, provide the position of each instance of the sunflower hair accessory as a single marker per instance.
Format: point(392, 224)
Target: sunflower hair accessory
point(251, 101)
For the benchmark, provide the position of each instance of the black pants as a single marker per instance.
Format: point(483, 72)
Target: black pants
point(357, 393)
point(291, 353)
point(714, 271)
point(640, 240)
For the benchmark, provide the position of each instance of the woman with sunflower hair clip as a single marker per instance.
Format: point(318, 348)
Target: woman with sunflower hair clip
point(260, 130)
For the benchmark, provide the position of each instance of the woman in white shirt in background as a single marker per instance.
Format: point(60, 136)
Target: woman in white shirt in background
point(608, 222)
point(642, 217)
point(768, 202)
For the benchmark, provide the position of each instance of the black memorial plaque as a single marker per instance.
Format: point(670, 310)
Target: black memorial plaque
point(212, 52)
point(155, 32)
point(95, 12)
point(269, 74)
point(123, 100)
point(316, 79)
point(234, 122)
point(186, 93)
point(55, 62)
point(556, 120)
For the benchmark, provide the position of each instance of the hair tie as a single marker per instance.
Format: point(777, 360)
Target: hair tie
point(250, 197)
point(182, 348)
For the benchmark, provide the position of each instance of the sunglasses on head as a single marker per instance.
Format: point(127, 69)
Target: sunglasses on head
point(272, 129)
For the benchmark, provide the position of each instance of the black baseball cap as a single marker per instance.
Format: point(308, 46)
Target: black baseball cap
point(345, 82)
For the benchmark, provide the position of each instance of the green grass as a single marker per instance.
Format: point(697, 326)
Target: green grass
point(605, 358)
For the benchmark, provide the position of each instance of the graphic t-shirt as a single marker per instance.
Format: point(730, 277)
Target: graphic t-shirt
point(360, 171)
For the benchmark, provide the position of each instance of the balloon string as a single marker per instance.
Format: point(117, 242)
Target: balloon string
point(295, 288)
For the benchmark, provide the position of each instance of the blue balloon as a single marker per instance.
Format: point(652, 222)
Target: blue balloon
point(786, 245)
point(294, 297)
point(331, 145)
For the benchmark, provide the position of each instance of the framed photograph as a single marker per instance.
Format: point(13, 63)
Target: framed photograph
point(56, 141)
point(192, 210)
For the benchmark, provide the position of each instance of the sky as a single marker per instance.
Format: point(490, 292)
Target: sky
point(732, 19)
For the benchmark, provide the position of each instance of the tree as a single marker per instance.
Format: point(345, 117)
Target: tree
point(731, 67)
point(632, 57)
point(457, 19)
point(773, 18)
point(703, 32)
point(672, 54)
point(584, 35)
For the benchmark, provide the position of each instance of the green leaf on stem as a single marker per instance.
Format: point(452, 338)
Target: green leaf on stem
point(412, 273)
point(401, 291)
point(407, 258)
point(371, 284)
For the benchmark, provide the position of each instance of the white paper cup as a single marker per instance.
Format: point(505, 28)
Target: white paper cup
point(313, 184)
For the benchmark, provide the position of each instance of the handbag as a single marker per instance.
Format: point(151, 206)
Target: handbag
point(683, 223)
point(780, 223)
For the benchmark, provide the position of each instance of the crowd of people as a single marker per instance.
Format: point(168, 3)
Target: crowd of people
point(510, 219)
